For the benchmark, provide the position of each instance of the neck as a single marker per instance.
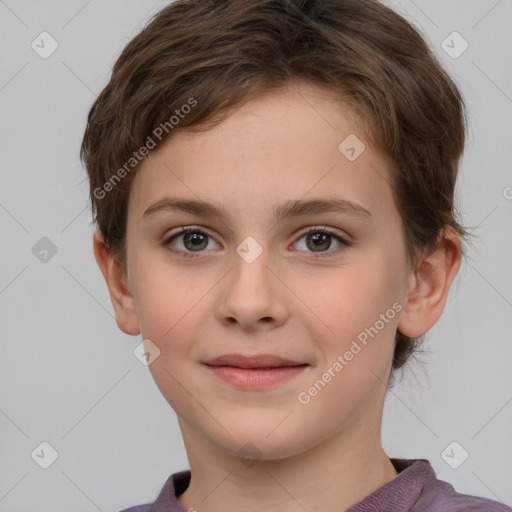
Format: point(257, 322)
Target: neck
point(332, 475)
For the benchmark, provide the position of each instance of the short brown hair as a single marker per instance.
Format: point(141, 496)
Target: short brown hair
point(216, 55)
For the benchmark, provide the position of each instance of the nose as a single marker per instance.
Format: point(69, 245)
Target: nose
point(252, 297)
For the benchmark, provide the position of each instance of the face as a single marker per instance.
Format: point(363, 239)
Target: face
point(313, 286)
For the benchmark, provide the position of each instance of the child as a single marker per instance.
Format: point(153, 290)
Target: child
point(273, 182)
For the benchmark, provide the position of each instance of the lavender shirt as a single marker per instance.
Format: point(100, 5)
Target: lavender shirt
point(415, 489)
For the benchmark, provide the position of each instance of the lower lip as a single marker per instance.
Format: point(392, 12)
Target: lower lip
point(246, 378)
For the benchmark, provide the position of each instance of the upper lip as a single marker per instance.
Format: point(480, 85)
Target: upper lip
point(256, 361)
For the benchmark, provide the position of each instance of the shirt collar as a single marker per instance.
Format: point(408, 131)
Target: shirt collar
point(401, 493)
point(398, 495)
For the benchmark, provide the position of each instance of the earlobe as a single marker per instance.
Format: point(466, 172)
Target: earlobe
point(116, 280)
point(429, 285)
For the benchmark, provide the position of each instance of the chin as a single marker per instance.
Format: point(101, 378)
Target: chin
point(253, 444)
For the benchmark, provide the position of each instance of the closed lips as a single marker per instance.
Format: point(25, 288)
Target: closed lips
point(259, 368)
point(255, 362)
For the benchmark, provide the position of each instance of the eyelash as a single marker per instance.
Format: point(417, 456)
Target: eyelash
point(313, 230)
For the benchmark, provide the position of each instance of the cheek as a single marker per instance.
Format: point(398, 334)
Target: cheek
point(351, 298)
point(166, 298)
point(359, 307)
point(170, 308)
point(356, 364)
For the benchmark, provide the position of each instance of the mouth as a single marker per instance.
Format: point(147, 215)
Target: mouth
point(256, 378)
point(254, 372)
point(255, 367)
point(256, 362)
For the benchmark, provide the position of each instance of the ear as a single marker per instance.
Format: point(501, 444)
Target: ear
point(429, 285)
point(117, 283)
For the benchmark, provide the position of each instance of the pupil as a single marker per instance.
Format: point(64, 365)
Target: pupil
point(196, 239)
point(319, 239)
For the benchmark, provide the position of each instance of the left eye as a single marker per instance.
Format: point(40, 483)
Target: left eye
point(195, 240)
point(321, 238)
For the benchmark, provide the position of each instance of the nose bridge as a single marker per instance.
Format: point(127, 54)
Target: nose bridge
point(250, 265)
point(251, 291)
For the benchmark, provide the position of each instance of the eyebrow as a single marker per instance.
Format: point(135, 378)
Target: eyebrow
point(287, 210)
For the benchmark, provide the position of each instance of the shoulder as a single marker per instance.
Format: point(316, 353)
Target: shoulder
point(468, 503)
point(416, 488)
point(457, 502)
point(441, 496)
point(139, 508)
point(166, 500)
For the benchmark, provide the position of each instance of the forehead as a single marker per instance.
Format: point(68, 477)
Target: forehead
point(292, 144)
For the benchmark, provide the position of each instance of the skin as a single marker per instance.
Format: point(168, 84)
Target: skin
point(326, 454)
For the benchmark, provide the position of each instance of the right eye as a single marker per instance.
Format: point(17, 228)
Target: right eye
point(193, 237)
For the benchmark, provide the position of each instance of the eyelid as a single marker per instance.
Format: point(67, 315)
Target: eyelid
point(183, 230)
point(326, 228)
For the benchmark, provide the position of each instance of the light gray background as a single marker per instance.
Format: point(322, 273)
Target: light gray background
point(69, 376)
